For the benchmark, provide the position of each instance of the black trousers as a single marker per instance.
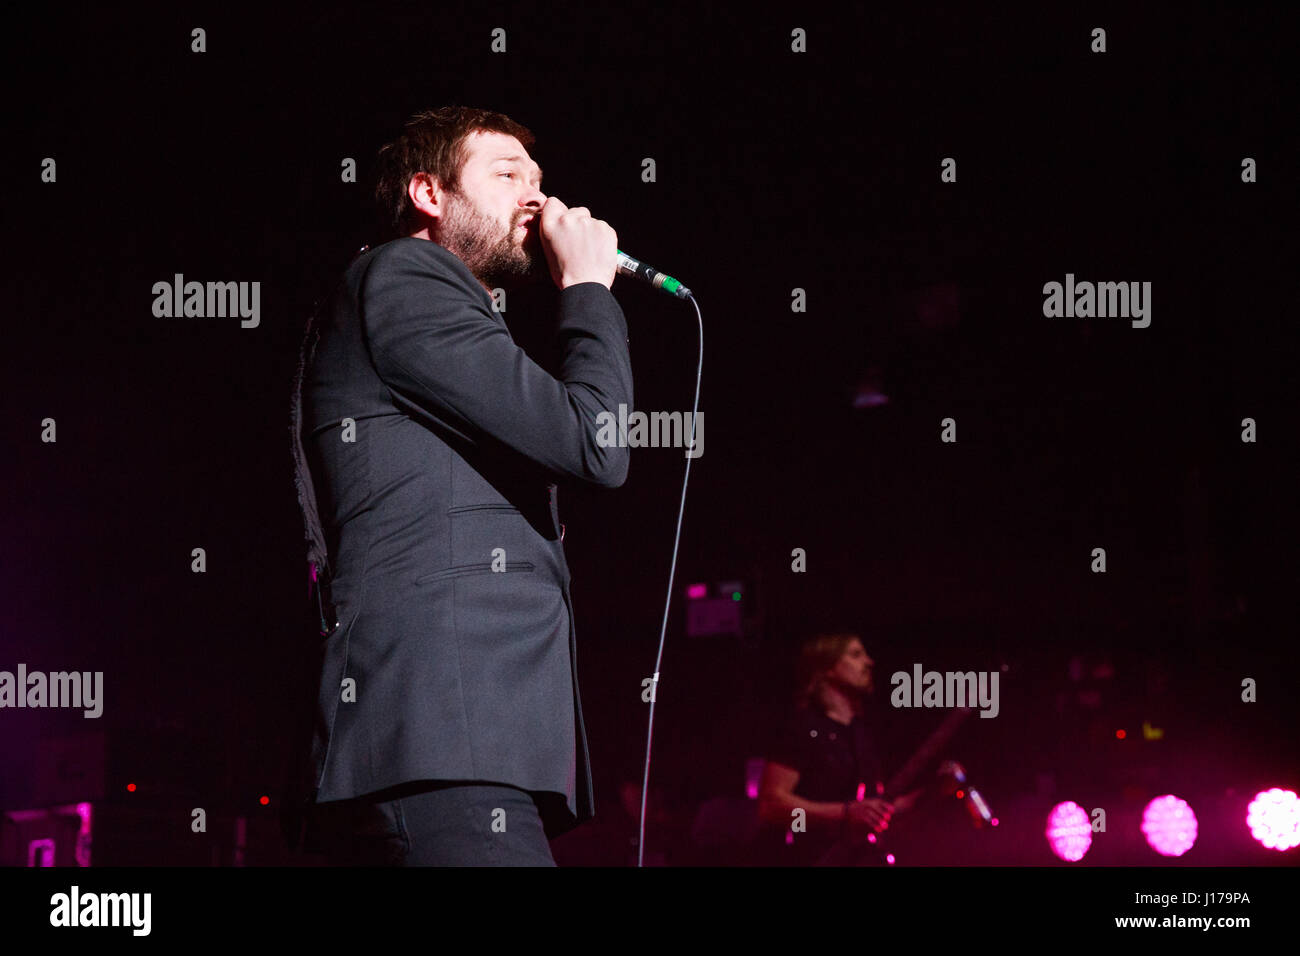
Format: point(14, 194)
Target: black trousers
point(431, 824)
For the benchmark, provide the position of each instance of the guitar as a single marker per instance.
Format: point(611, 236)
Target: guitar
point(872, 850)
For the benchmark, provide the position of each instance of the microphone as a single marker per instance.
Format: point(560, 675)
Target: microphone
point(976, 804)
point(660, 280)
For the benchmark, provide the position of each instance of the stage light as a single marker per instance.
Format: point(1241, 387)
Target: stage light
point(1069, 832)
point(1169, 825)
point(85, 840)
point(1120, 734)
point(1274, 818)
point(130, 788)
point(715, 609)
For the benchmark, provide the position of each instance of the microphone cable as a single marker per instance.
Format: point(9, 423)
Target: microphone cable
point(663, 628)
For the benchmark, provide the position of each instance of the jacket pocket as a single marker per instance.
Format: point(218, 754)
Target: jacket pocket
point(465, 509)
point(485, 568)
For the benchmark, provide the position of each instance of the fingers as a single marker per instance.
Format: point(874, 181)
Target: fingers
point(579, 247)
point(882, 812)
point(554, 208)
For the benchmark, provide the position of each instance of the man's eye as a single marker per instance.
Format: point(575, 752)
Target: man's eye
point(505, 174)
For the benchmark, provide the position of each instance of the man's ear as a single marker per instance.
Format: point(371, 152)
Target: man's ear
point(426, 194)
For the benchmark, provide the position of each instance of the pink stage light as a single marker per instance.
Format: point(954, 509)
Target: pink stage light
point(84, 838)
point(1069, 831)
point(1169, 825)
point(1274, 818)
point(695, 592)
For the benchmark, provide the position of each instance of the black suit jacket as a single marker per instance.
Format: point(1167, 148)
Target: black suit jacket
point(434, 443)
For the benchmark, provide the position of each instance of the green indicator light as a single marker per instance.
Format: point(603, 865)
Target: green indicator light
point(735, 595)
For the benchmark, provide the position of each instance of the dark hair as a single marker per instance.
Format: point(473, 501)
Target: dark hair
point(818, 655)
point(434, 142)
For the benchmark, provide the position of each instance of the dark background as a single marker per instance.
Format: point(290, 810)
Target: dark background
point(775, 170)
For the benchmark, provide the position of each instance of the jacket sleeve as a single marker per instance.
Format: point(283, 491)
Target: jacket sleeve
point(435, 342)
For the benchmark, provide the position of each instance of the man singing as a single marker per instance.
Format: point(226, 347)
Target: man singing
point(448, 727)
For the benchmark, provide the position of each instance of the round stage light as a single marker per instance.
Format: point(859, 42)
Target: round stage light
point(1274, 818)
point(1069, 831)
point(1169, 825)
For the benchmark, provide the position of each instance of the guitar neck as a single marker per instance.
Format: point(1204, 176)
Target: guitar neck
point(927, 752)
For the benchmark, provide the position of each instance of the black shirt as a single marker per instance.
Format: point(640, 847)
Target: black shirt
point(832, 759)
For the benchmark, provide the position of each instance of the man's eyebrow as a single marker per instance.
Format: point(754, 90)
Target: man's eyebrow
point(517, 159)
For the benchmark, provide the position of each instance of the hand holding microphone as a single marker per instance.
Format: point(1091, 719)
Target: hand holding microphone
point(578, 248)
point(582, 249)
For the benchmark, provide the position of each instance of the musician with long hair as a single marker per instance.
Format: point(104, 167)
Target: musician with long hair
point(823, 775)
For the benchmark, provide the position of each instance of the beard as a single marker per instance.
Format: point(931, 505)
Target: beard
point(493, 258)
